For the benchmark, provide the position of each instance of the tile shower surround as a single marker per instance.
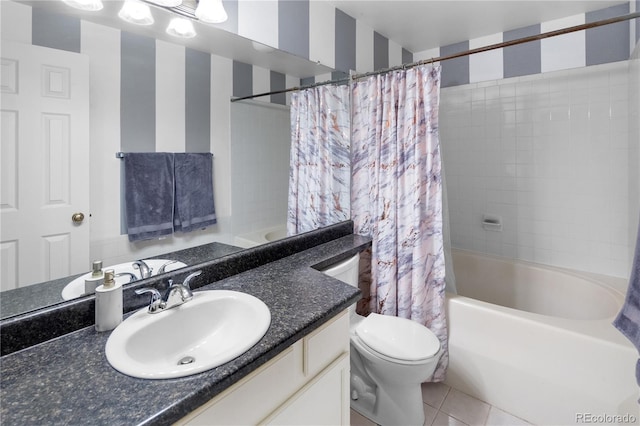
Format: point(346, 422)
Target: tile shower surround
point(549, 154)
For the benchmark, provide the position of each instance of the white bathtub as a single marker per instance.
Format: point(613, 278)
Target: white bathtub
point(538, 342)
point(262, 236)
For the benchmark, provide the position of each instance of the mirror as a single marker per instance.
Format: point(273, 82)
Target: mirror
point(100, 37)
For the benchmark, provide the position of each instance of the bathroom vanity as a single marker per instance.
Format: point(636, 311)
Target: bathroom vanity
point(308, 383)
point(297, 373)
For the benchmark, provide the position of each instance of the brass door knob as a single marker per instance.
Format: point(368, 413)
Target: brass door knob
point(77, 218)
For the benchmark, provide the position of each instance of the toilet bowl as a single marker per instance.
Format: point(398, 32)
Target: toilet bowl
point(390, 358)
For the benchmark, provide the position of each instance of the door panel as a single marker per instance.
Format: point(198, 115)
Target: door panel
point(45, 164)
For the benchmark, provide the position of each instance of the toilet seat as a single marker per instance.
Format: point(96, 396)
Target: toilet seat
point(397, 339)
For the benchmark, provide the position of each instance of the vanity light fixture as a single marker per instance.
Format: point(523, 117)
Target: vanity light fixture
point(90, 5)
point(167, 3)
point(136, 12)
point(211, 11)
point(181, 27)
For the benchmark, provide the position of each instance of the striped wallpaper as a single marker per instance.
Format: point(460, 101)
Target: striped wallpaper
point(611, 43)
point(320, 32)
point(138, 88)
point(150, 94)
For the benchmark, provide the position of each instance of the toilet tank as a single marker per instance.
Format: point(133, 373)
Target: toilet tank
point(346, 271)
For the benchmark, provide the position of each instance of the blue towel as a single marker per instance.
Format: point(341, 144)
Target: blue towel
point(194, 208)
point(628, 320)
point(149, 195)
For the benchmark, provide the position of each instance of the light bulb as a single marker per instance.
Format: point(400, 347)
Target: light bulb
point(181, 27)
point(90, 5)
point(136, 12)
point(211, 11)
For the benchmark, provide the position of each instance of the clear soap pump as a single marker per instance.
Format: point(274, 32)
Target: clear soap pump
point(108, 303)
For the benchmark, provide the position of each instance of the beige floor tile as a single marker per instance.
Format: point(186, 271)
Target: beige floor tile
point(497, 417)
point(442, 419)
point(465, 408)
point(358, 419)
point(434, 393)
point(430, 414)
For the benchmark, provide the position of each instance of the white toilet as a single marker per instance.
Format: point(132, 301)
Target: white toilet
point(390, 358)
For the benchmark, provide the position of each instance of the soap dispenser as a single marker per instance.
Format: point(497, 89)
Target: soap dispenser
point(96, 279)
point(108, 303)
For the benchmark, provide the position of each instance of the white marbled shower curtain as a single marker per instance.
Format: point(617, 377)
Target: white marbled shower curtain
point(319, 173)
point(396, 195)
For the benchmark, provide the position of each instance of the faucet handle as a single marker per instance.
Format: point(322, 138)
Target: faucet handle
point(161, 270)
point(156, 298)
point(187, 281)
point(132, 277)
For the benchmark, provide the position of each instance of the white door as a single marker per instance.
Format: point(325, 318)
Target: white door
point(44, 164)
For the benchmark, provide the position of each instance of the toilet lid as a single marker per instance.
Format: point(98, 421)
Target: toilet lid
point(398, 338)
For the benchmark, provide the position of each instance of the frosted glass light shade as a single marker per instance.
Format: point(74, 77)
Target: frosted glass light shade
point(181, 27)
point(136, 12)
point(167, 3)
point(211, 11)
point(90, 5)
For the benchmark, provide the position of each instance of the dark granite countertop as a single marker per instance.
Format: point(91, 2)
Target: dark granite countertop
point(36, 296)
point(68, 380)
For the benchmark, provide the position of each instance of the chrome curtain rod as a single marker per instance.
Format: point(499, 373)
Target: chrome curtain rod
point(522, 40)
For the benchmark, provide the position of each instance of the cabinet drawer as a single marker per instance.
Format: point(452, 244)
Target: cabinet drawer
point(326, 344)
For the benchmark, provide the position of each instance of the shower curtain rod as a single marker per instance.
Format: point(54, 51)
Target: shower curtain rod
point(528, 39)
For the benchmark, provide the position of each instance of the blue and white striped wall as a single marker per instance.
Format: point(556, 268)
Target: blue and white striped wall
point(146, 95)
point(611, 43)
point(313, 30)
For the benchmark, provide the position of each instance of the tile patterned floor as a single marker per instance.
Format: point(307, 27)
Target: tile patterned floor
point(445, 406)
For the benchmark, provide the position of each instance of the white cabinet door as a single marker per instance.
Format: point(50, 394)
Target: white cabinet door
point(323, 401)
point(44, 162)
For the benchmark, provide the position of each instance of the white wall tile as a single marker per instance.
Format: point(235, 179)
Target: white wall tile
point(552, 133)
point(260, 155)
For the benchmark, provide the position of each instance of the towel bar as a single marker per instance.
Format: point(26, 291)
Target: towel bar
point(121, 155)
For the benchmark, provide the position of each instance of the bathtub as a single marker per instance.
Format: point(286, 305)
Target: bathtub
point(537, 342)
point(262, 236)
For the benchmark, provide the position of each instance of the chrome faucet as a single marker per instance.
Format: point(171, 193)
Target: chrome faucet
point(145, 270)
point(132, 277)
point(161, 270)
point(176, 295)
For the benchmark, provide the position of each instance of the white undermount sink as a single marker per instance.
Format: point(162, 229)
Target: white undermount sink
point(76, 287)
point(213, 328)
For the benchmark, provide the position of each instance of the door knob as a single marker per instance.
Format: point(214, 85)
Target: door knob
point(77, 218)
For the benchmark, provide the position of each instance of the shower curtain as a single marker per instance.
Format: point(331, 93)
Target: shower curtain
point(319, 175)
point(396, 195)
